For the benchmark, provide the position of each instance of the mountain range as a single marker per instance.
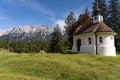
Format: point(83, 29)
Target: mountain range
point(29, 33)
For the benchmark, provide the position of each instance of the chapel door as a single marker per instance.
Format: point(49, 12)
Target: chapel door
point(78, 44)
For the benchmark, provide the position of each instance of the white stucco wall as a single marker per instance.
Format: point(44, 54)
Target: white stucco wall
point(106, 48)
point(85, 46)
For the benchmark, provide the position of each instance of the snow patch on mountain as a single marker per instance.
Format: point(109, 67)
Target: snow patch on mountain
point(2, 32)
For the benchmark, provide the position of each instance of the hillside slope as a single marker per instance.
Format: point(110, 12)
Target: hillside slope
point(58, 67)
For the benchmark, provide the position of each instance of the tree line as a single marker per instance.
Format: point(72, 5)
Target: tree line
point(33, 46)
point(25, 46)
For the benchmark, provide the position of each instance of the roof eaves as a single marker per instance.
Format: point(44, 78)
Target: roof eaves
point(78, 29)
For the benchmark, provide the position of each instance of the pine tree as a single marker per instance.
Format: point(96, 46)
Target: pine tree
point(69, 29)
point(86, 11)
point(114, 19)
point(104, 10)
point(0, 43)
point(114, 14)
point(55, 40)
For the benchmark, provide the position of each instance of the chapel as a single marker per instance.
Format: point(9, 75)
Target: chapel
point(93, 35)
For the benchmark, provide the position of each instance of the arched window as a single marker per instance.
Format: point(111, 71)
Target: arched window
point(89, 40)
point(95, 17)
point(100, 40)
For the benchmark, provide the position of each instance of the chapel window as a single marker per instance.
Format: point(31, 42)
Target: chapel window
point(95, 18)
point(100, 40)
point(89, 40)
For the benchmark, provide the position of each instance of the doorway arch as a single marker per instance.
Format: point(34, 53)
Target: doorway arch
point(78, 44)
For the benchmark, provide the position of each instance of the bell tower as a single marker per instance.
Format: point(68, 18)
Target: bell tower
point(97, 17)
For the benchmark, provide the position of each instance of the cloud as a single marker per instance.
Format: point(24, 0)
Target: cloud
point(4, 18)
point(61, 23)
point(5, 22)
point(34, 5)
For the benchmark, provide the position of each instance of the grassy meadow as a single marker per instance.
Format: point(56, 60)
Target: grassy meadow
point(38, 66)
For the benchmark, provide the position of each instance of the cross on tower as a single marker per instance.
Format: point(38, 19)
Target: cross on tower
point(97, 9)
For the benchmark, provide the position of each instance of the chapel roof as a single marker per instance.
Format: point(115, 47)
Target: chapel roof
point(96, 27)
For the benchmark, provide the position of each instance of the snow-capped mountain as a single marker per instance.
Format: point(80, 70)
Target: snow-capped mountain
point(2, 32)
point(39, 32)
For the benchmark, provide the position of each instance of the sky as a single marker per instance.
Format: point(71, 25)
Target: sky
point(14, 13)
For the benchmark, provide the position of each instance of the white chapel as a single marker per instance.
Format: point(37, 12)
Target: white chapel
point(93, 36)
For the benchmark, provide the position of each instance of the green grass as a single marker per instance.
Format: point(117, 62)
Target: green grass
point(58, 67)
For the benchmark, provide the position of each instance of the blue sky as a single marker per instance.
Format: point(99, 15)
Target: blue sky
point(14, 13)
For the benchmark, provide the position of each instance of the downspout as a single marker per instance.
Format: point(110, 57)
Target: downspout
point(96, 43)
point(96, 38)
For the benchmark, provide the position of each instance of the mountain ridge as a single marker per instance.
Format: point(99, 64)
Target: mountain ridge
point(27, 32)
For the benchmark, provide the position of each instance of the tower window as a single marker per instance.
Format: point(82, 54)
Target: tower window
point(95, 18)
point(89, 40)
point(100, 40)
